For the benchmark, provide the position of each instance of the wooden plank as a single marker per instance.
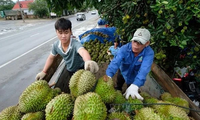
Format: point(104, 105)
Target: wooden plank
point(168, 85)
point(53, 68)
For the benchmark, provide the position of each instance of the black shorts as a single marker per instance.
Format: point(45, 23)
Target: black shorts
point(63, 80)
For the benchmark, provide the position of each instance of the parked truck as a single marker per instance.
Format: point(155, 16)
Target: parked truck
point(155, 85)
point(12, 14)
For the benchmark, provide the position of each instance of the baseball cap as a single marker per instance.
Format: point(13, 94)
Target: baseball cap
point(141, 35)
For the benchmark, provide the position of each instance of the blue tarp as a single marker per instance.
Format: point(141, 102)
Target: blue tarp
point(102, 22)
point(108, 33)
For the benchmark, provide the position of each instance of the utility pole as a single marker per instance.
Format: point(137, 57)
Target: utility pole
point(21, 10)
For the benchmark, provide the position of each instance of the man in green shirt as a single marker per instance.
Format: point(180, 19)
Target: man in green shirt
point(74, 54)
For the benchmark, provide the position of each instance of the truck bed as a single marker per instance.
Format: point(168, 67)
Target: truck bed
point(155, 85)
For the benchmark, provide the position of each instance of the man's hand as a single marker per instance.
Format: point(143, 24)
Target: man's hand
point(132, 91)
point(40, 75)
point(106, 78)
point(92, 66)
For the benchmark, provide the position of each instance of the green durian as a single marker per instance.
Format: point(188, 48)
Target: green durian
point(56, 91)
point(181, 102)
point(118, 116)
point(160, 106)
point(150, 101)
point(59, 108)
point(165, 96)
point(147, 113)
point(81, 82)
point(132, 105)
point(35, 97)
point(89, 107)
point(34, 116)
point(175, 113)
point(119, 101)
point(145, 95)
point(105, 88)
point(10, 113)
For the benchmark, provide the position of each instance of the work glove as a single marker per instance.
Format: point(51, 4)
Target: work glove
point(40, 75)
point(109, 53)
point(92, 66)
point(132, 91)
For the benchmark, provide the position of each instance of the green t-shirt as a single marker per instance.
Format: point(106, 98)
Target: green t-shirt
point(72, 58)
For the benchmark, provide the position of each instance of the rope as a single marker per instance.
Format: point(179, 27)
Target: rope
point(145, 104)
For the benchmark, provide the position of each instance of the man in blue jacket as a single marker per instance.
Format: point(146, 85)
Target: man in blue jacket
point(134, 61)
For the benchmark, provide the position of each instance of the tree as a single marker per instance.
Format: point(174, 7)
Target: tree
point(6, 5)
point(174, 25)
point(58, 6)
point(39, 7)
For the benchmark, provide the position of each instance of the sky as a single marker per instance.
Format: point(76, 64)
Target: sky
point(15, 0)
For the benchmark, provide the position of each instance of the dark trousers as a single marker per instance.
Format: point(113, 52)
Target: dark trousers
point(120, 81)
point(63, 80)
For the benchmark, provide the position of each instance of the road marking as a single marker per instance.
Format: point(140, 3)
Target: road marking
point(34, 35)
point(37, 27)
point(27, 52)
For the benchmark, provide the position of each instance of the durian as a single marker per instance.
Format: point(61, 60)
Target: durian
point(118, 116)
point(34, 116)
point(119, 101)
point(59, 108)
point(10, 113)
point(132, 104)
point(181, 102)
point(175, 113)
point(89, 107)
point(166, 96)
point(35, 97)
point(81, 82)
point(147, 113)
point(105, 88)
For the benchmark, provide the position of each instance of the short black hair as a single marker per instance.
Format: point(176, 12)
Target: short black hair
point(63, 24)
point(116, 41)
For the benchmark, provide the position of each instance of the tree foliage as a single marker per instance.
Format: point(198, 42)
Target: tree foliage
point(39, 7)
point(6, 6)
point(58, 6)
point(174, 26)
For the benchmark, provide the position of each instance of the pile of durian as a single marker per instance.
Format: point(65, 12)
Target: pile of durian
point(98, 50)
point(91, 99)
point(97, 33)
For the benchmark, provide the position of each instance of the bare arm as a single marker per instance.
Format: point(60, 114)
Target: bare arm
point(84, 54)
point(48, 63)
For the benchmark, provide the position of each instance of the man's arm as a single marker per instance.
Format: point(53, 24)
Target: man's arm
point(48, 63)
point(84, 54)
point(90, 65)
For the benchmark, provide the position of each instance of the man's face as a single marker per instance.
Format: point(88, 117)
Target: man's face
point(64, 35)
point(115, 44)
point(137, 47)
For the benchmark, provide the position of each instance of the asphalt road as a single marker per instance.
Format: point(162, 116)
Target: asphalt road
point(24, 49)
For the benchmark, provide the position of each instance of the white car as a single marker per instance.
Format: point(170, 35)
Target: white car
point(80, 16)
point(93, 13)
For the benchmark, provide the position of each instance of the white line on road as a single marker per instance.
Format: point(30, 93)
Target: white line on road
point(24, 31)
point(27, 52)
point(34, 35)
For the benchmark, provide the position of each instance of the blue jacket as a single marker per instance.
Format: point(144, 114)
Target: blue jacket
point(113, 50)
point(133, 69)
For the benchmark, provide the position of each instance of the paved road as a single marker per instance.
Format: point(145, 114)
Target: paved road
point(24, 52)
